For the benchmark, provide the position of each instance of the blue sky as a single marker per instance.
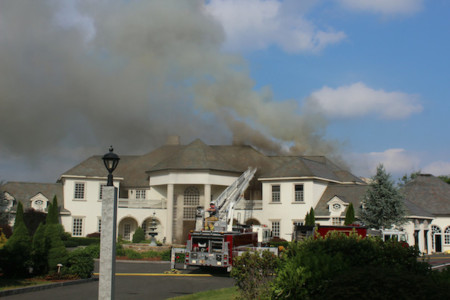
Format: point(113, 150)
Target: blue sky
point(402, 49)
point(361, 81)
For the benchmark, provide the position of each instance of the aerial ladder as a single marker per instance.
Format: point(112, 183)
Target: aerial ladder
point(227, 201)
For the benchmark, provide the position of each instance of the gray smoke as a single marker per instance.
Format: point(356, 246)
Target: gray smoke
point(77, 76)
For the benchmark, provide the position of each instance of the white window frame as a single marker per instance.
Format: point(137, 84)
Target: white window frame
point(100, 192)
point(77, 191)
point(276, 195)
point(78, 229)
point(447, 236)
point(276, 228)
point(140, 194)
point(299, 196)
point(336, 221)
point(99, 224)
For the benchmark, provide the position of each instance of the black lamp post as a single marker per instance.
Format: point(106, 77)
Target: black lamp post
point(111, 160)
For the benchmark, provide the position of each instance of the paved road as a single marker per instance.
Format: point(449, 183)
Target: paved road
point(139, 285)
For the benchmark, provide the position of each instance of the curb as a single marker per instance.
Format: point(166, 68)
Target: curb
point(44, 287)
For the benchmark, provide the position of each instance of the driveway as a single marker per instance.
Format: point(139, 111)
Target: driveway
point(139, 280)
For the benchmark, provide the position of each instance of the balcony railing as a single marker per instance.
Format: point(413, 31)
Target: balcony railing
point(249, 205)
point(142, 203)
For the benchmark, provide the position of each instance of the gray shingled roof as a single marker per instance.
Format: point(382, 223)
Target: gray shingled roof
point(349, 193)
point(429, 193)
point(135, 170)
point(195, 156)
point(24, 191)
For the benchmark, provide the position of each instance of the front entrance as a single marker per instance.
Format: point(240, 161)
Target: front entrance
point(437, 238)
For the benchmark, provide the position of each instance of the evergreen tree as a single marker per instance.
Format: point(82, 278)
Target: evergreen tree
point(53, 212)
point(349, 215)
point(16, 254)
point(56, 250)
point(382, 204)
point(139, 235)
point(39, 251)
point(19, 216)
point(310, 219)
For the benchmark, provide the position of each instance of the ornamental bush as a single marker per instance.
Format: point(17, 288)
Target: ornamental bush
point(138, 235)
point(310, 268)
point(253, 272)
point(80, 262)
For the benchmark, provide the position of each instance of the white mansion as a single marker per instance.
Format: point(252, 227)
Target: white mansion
point(168, 184)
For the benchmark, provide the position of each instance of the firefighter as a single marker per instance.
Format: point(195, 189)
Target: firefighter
point(209, 222)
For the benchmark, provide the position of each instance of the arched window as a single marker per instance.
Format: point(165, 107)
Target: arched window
point(191, 201)
point(436, 238)
point(447, 235)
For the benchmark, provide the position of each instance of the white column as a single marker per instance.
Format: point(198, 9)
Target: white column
point(108, 244)
point(207, 196)
point(169, 224)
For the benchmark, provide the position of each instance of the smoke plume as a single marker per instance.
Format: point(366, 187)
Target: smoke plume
point(77, 76)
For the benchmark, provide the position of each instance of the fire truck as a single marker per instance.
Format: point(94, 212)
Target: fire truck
point(218, 247)
point(301, 232)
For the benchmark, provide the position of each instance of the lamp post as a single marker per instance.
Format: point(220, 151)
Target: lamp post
point(108, 234)
point(111, 160)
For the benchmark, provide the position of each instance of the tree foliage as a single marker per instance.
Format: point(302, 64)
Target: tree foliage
point(16, 254)
point(310, 269)
point(53, 212)
point(310, 219)
point(19, 216)
point(33, 219)
point(138, 235)
point(57, 253)
point(383, 204)
point(445, 178)
point(349, 215)
point(39, 251)
point(253, 272)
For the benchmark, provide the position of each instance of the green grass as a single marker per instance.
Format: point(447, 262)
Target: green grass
point(222, 294)
point(7, 284)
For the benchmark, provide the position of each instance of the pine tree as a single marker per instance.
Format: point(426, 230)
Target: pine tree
point(16, 254)
point(19, 216)
point(139, 235)
point(39, 251)
point(57, 253)
point(53, 212)
point(350, 215)
point(310, 219)
point(382, 204)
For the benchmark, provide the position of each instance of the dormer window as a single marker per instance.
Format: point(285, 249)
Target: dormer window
point(336, 206)
point(39, 203)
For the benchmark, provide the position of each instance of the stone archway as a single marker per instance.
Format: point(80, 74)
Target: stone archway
point(252, 221)
point(127, 227)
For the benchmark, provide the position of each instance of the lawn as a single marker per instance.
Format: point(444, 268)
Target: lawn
point(7, 283)
point(221, 294)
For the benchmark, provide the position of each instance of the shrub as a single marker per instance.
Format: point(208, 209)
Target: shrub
point(93, 250)
point(39, 251)
point(15, 256)
point(80, 263)
point(7, 230)
point(131, 254)
point(138, 235)
point(311, 267)
point(253, 272)
point(3, 239)
point(81, 241)
point(57, 253)
point(93, 235)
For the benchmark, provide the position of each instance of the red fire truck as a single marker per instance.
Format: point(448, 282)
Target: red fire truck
point(218, 247)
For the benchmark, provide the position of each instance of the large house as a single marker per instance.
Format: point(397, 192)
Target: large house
point(168, 183)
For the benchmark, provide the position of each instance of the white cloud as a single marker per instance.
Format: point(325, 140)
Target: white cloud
point(358, 100)
point(437, 168)
point(384, 7)
point(396, 161)
point(258, 24)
